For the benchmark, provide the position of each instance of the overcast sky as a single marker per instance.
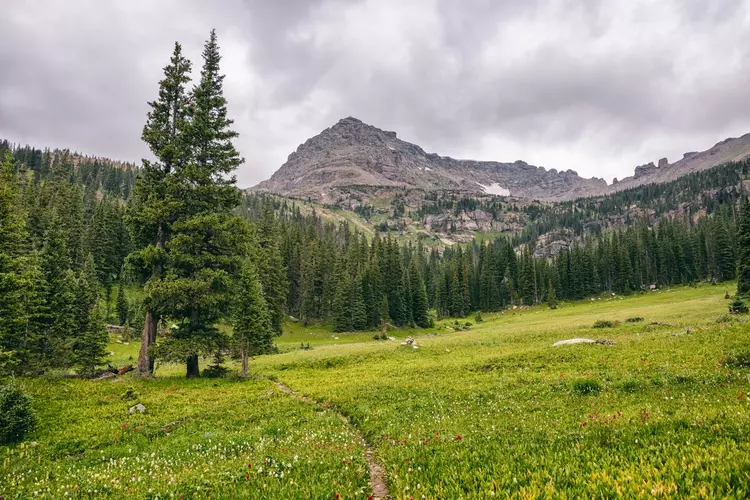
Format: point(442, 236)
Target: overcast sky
point(598, 86)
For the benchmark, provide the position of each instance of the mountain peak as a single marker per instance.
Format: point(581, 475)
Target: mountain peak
point(353, 155)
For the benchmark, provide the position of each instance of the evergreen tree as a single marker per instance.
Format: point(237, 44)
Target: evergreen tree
point(61, 296)
point(89, 336)
point(723, 254)
point(419, 297)
point(743, 242)
point(155, 202)
point(271, 269)
point(252, 332)
point(123, 308)
point(341, 312)
point(551, 296)
point(20, 280)
point(208, 242)
point(358, 308)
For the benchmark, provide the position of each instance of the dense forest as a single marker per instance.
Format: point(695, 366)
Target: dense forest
point(194, 252)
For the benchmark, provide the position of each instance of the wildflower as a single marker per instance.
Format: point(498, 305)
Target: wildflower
point(458, 437)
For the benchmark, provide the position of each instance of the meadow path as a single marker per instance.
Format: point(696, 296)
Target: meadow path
point(377, 474)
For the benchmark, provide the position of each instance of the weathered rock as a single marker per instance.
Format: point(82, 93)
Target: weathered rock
point(573, 341)
point(663, 162)
point(106, 376)
point(644, 170)
point(582, 341)
point(140, 408)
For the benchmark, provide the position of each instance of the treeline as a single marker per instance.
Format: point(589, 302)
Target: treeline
point(493, 276)
point(95, 174)
point(57, 246)
point(356, 282)
point(336, 275)
point(707, 191)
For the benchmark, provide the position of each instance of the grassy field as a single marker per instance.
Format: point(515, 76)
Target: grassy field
point(493, 411)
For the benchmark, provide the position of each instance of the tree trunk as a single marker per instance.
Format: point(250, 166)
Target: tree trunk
point(244, 363)
point(192, 366)
point(148, 337)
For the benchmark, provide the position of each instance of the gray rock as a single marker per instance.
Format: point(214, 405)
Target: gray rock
point(573, 341)
point(663, 162)
point(140, 408)
point(106, 376)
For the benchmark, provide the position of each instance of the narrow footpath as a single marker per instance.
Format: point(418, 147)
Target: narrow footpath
point(377, 474)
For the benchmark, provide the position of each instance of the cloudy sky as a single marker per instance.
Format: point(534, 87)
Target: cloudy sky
point(598, 86)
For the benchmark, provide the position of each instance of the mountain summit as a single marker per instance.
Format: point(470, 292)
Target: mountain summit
point(354, 154)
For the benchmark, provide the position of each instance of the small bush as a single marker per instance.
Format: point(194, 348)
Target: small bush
point(631, 386)
point(215, 371)
point(478, 317)
point(17, 417)
point(634, 319)
point(587, 386)
point(737, 360)
point(129, 394)
point(738, 306)
point(604, 323)
point(726, 318)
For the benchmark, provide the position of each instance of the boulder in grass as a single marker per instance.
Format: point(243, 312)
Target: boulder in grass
point(582, 341)
point(140, 408)
point(573, 341)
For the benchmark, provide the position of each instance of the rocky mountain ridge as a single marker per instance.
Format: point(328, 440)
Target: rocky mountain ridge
point(354, 156)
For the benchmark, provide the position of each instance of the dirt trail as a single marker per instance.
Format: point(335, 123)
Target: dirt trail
point(377, 473)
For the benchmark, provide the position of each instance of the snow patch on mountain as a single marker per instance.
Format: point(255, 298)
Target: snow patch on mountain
point(495, 189)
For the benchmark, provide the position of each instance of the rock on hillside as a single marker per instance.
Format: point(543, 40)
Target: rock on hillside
point(354, 154)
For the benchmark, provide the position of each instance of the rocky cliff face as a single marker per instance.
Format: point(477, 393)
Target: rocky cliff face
point(732, 149)
point(354, 154)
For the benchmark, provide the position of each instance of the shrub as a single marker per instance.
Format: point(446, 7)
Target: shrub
point(129, 394)
point(737, 360)
point(738, 306)
point(17, 417)
point(631, 386)
point(726, 318)
point(215, 371)
point(478, 317)
point(604, 323)
point(587, 386)
point(634, 319)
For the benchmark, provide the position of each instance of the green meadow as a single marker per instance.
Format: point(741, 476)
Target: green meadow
point(489, 411)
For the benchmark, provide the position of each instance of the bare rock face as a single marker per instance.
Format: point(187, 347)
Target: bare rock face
point(642, 171)
point(352, 154)
point(732, 149)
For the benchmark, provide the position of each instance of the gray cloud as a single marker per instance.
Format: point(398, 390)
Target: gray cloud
point(597, 86)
